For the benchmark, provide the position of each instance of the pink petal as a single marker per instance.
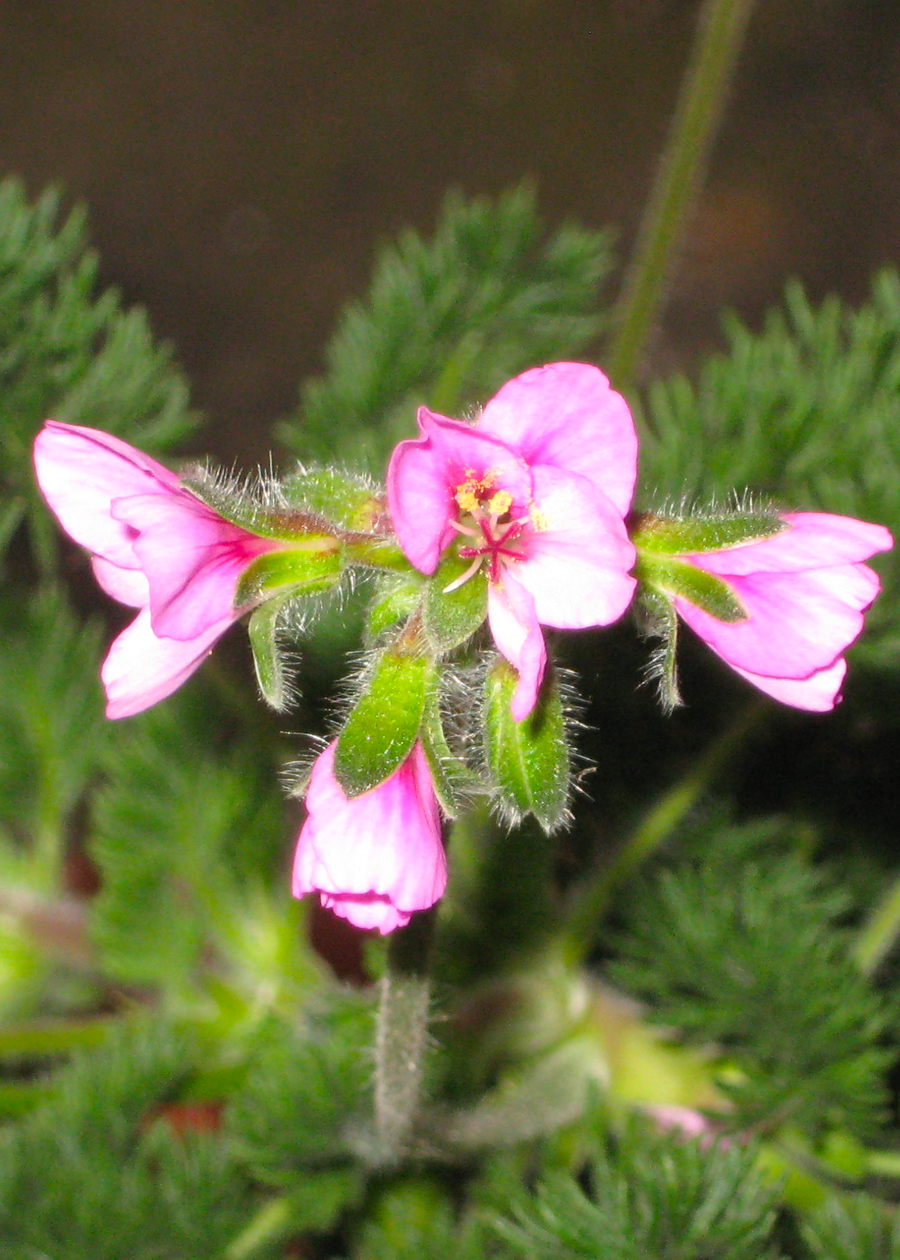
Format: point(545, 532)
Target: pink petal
point(814, 540)
point(566, 415)
point(517, 634)
point(374, 858)
point(576, 569)
point(192, 557)
point(141, 669)
point(818, 693)
point(425, 473)
point(128, 586)
point(81, 471)
point(798, 622)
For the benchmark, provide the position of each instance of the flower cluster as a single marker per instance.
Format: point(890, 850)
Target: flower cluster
point(521, 519)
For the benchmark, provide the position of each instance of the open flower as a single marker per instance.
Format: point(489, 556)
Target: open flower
point(803, 591)
point(374, 858)
point(155, 547)
point(535, 494)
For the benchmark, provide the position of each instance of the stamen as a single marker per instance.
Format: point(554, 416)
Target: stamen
point(464, 577)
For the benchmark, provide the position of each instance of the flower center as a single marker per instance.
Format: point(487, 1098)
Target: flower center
point(485, 518)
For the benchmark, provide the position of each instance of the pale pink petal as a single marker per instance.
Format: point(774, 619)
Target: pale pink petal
point(128, 586)
point(425, 473)
point(141, 669)
point(192, 557)
point(517, 634)
point(375, 858)
point(576, 566)
point(818, 693)
point(813, 540)
point(81, 471)
point(566, 415)
point(797, 622)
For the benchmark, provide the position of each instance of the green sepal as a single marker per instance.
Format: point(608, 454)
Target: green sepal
point(228, 500)
point(661, 619)
point(306, 568)
point(694, 534)
point(454, 782)
point(704, 590)
point(394, 601)
point(384, 725)
point(450, 618)
point(339, 497)
point(528, 760)
point(266, 654)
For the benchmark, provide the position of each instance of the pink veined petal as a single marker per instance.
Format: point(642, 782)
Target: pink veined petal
point(576, 570)
point(372, 852)
point(128, 586)
point(798, 622)
point(818, 693)
point(141, 669)
point(425, 473)
point(193, 559)
point(813, 540)
point(517, 634)
point(566, 415)
point(81, 471)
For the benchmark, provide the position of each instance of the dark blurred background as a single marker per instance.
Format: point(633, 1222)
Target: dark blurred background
point(242, 159)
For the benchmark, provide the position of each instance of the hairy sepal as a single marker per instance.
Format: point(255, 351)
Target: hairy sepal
point(715, 532)
point(384, 724)
point(454, 782)
point(451, 617)
point(305, 569)
point(670, 576)
point(528, 760)
point(342, 498)
point(267, 659)
point(395, 600)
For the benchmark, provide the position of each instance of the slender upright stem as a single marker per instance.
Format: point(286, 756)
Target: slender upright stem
point(880, 931)
point(698, 113)
point(402, 1035)
point(593, 901)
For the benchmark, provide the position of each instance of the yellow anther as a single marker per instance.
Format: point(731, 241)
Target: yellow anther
point(538, 519)
point(499, 503)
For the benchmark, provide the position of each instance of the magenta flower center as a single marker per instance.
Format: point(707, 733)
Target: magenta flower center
point(486, 518)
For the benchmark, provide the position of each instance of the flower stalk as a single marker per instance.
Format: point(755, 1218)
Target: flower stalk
point(697, 117)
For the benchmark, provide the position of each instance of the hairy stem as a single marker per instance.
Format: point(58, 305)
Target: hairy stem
point(402, 1035)
point(594, 898)
point(698, 113)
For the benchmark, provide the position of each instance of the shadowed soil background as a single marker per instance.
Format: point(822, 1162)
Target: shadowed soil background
point(243, 158)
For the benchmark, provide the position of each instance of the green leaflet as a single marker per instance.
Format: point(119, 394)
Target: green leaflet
point(529, 759)
point(677, 577)
point(384, 725)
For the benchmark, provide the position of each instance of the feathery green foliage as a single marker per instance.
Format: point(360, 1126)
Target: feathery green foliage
point(742, 946)
point(855, 1227)
point(70, 352)
point(648, 1194)
point(447, 321)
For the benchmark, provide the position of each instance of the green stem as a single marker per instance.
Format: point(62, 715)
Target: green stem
point(402, 1035)
point(879, 932)
point(697, 117)
point(591, 904)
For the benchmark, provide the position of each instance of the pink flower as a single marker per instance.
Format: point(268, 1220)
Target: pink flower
point(535, 493)
point(156, 547)
point(804, 591)
point(374, 858)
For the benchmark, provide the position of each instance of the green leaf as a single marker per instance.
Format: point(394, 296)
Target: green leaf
point(529, 760)
point(714, 532)
point(309, 567)
point(451, 617)
point(676, 577)
point(383, 726)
